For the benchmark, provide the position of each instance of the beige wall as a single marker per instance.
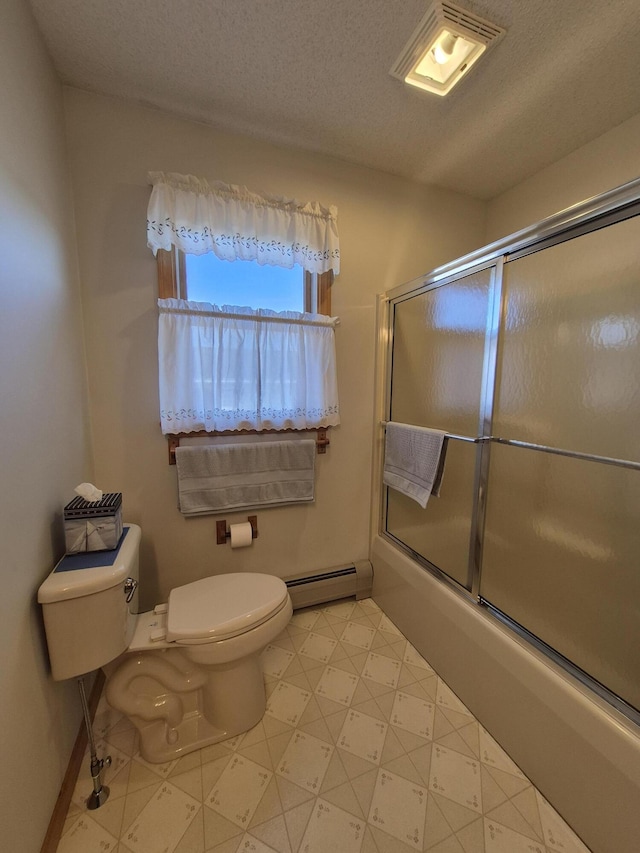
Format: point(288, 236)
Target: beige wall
point(607, 162)
point(43, 422)
point(390, 230)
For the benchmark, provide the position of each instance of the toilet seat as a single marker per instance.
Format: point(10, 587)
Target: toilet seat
point(224, 606)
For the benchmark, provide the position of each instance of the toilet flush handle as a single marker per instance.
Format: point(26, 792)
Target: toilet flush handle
point(130, 587)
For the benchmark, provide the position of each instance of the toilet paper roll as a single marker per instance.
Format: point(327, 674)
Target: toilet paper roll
point(241, 535)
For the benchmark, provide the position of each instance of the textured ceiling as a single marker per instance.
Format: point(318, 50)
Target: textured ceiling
point(314, 74)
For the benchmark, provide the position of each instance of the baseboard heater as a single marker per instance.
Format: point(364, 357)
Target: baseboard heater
point(324, 585)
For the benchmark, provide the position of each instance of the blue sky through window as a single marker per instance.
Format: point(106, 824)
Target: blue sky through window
point(244, 283)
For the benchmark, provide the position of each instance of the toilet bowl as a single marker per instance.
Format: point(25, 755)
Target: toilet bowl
point(188, 673)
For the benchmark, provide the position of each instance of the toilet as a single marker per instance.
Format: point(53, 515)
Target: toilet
point(187, 673)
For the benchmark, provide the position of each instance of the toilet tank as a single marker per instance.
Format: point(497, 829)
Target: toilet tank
point(87, 618)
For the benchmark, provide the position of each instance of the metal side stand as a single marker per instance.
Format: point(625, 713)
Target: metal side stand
point(100, 793)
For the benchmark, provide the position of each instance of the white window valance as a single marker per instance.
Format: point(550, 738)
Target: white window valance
point(198, 216)
point(236, 368)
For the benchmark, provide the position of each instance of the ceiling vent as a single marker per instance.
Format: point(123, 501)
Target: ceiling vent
point(447, 42)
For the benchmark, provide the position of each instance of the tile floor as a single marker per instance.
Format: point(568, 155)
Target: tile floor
point(363, 749)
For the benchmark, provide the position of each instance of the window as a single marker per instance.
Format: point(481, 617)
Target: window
point(228, 359)
point(206, 278)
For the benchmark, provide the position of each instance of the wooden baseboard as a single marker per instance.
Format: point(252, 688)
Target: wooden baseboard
point(59, 814)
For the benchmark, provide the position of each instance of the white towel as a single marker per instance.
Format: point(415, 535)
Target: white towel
point(220, 477)
point(414, 460)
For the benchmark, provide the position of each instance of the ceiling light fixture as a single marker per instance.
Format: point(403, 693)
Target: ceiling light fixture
point(445, 45)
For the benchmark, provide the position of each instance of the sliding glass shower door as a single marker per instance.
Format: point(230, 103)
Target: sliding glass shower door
point(537, 360)
point(562, 534)
point(437, 380)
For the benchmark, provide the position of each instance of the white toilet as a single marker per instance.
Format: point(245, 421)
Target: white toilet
point(188, 673)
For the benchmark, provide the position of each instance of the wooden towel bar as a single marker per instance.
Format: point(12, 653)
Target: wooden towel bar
point(173, 439)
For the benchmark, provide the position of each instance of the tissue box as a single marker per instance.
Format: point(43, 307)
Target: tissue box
point(93, 525)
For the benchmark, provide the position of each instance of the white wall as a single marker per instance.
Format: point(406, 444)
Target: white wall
point(390, 229)
point(607, 162)
point(43, 422)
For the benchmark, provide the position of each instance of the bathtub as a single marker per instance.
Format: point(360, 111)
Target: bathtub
point(581, 754)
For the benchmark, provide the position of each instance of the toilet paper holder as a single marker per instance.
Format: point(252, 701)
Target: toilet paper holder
point(223, 533)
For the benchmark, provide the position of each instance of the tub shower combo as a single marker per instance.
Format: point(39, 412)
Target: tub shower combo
point(521, 581)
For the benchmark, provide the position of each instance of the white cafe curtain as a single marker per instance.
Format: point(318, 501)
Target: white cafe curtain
point(234, 368)
point(198, 216)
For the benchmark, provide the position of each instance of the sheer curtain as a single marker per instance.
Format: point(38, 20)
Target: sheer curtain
point(197, 216)
point(235, 368)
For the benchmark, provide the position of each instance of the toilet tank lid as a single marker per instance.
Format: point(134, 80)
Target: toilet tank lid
point(90, 572)
point(223, 606)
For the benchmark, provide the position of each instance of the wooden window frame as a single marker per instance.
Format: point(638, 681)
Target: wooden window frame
point(172, 282)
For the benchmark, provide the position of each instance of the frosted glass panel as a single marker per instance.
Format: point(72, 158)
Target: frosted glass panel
point(438, 348)
point(438, 352)
point(568, 363)
point(562, 558)
point(440, 532)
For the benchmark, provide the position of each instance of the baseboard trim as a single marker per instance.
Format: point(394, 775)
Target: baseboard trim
point(59, 814)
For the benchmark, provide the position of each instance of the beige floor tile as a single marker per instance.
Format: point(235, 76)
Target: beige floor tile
point(345, 798)
point(337, 685)
point(332, 828)
point(287, 703)
point(436, 826)
point(387, 843)
point(239, 789)
point(508, 815)
point(344, 609)
point(270, 805)
point(305, 761)
point(230, 846)
point(296, 821)
point(336, 774)
point(457, 743)
point(382, 670)
point(449, 845)
point(305, 619)
point(87, 836)
point(275, 660)
point(457, 816)
point(413, 714)
point(249, 844)
point(218, 830)
point(259, 753)
point(162, 822)
point(371, 708)
point(472, 837)
point(193, 839)
point(363, 735)
point(500, 839)
point(404, 767)
point(318, 647)
point(292, 795)
point(274, 834)
point(363, 787)
point(399, 808)
point(358, 635)
point(456, 777)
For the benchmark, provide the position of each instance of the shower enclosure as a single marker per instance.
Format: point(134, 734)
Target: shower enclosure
point(527, 354)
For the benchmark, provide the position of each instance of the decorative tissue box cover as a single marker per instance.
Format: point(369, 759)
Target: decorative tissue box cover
point(93, 525)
